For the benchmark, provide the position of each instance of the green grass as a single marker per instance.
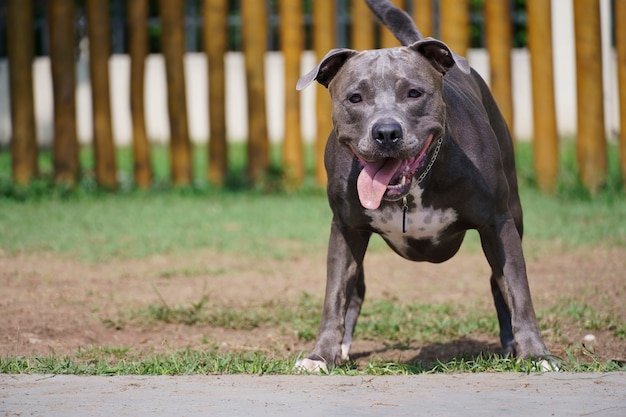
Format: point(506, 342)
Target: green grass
point(175, 363)
point(400, 323)
point(390, 320)
point(97, 225)
point(396, 323)
point(188, 362)
point(585, 318)
point(301, 319)
point(109, 226)
point(572, 217)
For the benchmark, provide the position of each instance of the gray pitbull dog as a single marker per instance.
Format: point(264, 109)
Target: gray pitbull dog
point(419, 153)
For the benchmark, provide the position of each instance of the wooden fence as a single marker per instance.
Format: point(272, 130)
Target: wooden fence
point(453, 29)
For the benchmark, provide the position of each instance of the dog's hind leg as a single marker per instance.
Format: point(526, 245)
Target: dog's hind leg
point(503, 249)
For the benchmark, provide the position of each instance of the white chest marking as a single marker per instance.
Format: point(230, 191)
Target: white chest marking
point(423, 222)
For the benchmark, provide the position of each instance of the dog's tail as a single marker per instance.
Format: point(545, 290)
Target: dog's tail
point(398, 21)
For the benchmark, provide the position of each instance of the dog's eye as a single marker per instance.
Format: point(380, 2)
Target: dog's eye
point(355, 98)
point(413, 93)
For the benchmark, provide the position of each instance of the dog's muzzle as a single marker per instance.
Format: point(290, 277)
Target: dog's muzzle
point(388, 178)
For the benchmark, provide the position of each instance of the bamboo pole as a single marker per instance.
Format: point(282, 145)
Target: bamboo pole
point(620, 44)
point(254, 15)
point(215, 13)
point(99, 30)
point(323, 41)
point(362, 27)
point(454, 24)
point(545, 139)
point(173, 44)
point(424, 16)
point(138, 48)
point(387, 39)
point(63, 66)
point(292, 40)
point(591, 141)
point(499, 43)
point(20, 49)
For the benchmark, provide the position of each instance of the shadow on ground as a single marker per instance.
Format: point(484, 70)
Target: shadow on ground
point(432, 355)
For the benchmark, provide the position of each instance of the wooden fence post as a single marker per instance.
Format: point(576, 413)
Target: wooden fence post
point(215, 13)
point(362, 26)
point(591, 141)
point(138, 48)
point(99, 29)
point(424, 16)
point(545, 138)
point(499, 44)
point(63, 66)
point(454, 24)
point(387, 39)
point(620, 44)
point(254, 31)
point(323, 41)
point(20, 48)
point(292, 40)
point(173, 45)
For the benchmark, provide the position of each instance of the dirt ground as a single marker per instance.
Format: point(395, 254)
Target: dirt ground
point(54, 304)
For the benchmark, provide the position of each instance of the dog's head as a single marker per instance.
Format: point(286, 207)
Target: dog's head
point(388, 109)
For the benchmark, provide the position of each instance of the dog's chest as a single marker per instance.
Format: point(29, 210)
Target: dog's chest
point(422, 223)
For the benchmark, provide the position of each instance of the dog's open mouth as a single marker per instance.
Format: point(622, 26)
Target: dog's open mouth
point(388, 178)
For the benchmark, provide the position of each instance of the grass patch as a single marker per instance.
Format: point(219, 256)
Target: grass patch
point(95, 225)
point(301, 319)
point(401, 323)
point(111, 226)
point(583, 317)
point(389, 319)
point(188, 362)
point(396, 325)
point(572, 217)
point(184, 362)
point(389, 322)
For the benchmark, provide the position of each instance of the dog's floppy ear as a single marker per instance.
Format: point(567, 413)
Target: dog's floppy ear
point(326, 70)
point(440, 56)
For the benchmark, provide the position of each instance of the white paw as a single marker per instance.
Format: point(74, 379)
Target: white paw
point(547, 366)
point(309, 365)
point(345, 350)
point(543, 365)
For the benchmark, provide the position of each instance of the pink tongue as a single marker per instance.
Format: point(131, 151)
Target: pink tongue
point(373, 181)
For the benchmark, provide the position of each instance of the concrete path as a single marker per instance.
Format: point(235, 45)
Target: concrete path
point(467, 395)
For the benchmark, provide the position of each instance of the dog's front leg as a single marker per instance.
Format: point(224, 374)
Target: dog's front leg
point(345, 290)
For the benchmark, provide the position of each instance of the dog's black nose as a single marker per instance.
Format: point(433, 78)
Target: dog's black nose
point(387, 134)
